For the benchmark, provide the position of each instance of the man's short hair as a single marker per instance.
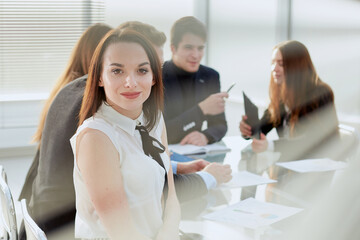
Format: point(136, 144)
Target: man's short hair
point(185, 25)
point(151, 33)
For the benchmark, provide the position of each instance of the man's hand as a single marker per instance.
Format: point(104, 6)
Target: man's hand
point(192, 166)
point(214, 104)
point(196, 138)
point(260, 145)
point(222, 173)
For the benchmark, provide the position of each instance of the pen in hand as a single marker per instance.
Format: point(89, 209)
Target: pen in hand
point(231, 86)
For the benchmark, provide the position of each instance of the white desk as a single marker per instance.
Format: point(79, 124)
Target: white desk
point(212, 230)
point(192, 211)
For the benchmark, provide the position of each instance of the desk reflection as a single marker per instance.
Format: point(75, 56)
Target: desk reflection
point(291, 189)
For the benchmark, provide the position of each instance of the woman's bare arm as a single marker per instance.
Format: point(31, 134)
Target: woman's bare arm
point(171, 216)
point(99, 164)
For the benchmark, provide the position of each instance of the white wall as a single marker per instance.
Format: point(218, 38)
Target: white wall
point(241, 36)
point(159, 13)
point(331, 31)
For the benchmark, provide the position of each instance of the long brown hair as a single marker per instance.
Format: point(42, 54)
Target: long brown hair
point(94, 95)
point(77, 66)
point(302, 87)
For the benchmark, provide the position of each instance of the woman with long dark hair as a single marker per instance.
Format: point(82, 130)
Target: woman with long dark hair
point(122, 173)
point(301, 105)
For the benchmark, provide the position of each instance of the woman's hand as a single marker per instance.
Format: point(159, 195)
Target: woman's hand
point(245, 128)
point(260, 145)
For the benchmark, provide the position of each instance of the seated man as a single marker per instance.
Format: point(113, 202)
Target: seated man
point(49, 187)
point(192, 91)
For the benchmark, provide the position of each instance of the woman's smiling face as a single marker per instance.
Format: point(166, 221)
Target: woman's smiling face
point(127, 77)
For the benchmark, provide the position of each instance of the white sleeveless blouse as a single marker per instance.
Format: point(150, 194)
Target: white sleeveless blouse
point(143, 177)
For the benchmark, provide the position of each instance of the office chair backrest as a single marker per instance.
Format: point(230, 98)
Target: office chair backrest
point(341, 147)
point(8, 215)
point(32, 230)
point(349, 140)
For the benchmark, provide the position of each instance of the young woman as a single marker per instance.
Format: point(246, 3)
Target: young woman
point(301, 105)
point(119, 188)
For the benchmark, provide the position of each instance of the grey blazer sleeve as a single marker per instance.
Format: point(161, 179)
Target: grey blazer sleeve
point(29, 179)
point(49, 184)
point(189, 186)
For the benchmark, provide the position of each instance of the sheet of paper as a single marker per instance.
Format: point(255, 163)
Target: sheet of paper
point(245, 179)
point(313, 165)
point(186, 149)
point(189, 149)
point(216, 147)
point(252, 213)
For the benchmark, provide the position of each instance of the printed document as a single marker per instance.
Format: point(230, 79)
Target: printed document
point(252, 213)
point(189, 149)
point(313, 165)
point(245, 179)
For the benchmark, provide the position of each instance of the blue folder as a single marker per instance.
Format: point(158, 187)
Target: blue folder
point(180, 158)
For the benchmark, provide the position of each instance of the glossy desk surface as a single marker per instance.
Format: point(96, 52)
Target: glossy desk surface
point(292, 189)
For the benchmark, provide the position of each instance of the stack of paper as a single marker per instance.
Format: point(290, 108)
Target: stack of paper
point(245, 179)
point(313, 165)
point(189, 149)
point(252, 213)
